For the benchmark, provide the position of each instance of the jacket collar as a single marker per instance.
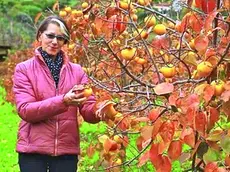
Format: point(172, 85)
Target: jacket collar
point(39, 56)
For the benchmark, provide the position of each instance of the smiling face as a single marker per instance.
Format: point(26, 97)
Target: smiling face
point(51, 39)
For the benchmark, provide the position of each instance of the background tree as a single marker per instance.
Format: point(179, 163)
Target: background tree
point(162, 80)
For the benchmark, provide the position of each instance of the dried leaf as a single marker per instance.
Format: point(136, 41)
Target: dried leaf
point(163, 88)
point(163, 164)
point(173, 99)
point(188, 136)
point(208, 93)
point(208, 22)
point(201, 122)
point(175, 149)
point(211, 167)
point(201, 43)
point(111, 11)
point(153, 114)
point(90, 150)
point(199, 89)
point(213, 116)
point(146, 132)
point(55, 6)
point(110, 145)
point(166, 131)
point(143, 159)
point(37, 17)
point(139, 142)
point(215, 135)
point(225, 96)
point(196, 22)
point(225, 108)
point(153, 153)
point(206, 5)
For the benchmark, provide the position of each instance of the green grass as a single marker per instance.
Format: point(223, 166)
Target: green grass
point(8, 135)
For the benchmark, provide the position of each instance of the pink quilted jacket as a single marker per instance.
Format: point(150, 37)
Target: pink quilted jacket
point(48, 126)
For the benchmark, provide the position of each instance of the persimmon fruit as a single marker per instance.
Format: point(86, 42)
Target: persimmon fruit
point(87, 92)
point(204, 68)
point(118, 161)
point(124, 5)
point(77, 13)
point(68, 9)
point(218, 86)
point(128, 53)
point(140, 34)
point(140, 61)
point(159, 29)
point(150, 21)
point(62, 13)
point(168, 71)
point(84, 5)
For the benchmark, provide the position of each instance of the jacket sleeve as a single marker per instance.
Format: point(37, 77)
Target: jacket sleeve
point(87, 110)
point(28, 108)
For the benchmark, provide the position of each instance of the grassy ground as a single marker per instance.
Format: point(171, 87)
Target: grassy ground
point(8, 134)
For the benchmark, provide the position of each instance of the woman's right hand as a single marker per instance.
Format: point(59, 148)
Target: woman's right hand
point(75, 96)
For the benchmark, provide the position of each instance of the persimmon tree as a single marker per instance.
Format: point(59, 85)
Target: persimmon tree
point(162, 79)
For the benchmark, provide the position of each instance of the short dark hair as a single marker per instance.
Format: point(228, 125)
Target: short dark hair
point(55, 20)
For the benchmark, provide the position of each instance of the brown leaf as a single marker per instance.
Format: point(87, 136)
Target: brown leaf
point(208, 93)
point(110, 145)
point(201, 43)
point(201, 122)
point(166, 131)
point(209, 21)
point(139, 142)
point(55, 6)
point(225, 96)
point(175, 149)
point(163, 164)
point(111, 11)
point(206, 5)
point(156, 79)
point(196, 22)
point(211, 167)
point(143, 159)
point(153, 114)
point(199, 89)
point(90, 150)
point(188, 136)
point(153, 153)
point(225, 108)
point(37, 17)
point(227, 85)
point(213, 116)
point(146, 132)
point(163, 88)
point(184, 157)
point(173, 99)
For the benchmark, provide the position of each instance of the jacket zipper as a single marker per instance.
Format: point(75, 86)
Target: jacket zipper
point(57, 125)
point(56, 131)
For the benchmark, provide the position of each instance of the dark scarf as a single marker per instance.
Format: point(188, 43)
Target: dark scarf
point(53, 65)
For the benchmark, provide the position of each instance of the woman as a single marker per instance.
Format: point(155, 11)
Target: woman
point(47, 102)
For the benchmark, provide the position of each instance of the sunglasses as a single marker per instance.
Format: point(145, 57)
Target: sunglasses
point(59, 37)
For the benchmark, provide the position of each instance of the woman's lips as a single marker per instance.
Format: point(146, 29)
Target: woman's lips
point(53, 48)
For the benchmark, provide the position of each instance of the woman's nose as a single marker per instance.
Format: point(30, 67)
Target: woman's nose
point(54, 41)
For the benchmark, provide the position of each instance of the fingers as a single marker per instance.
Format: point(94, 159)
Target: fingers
point(75, 99)
point(75, 96)
point(77, 88)
point(79, 101)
